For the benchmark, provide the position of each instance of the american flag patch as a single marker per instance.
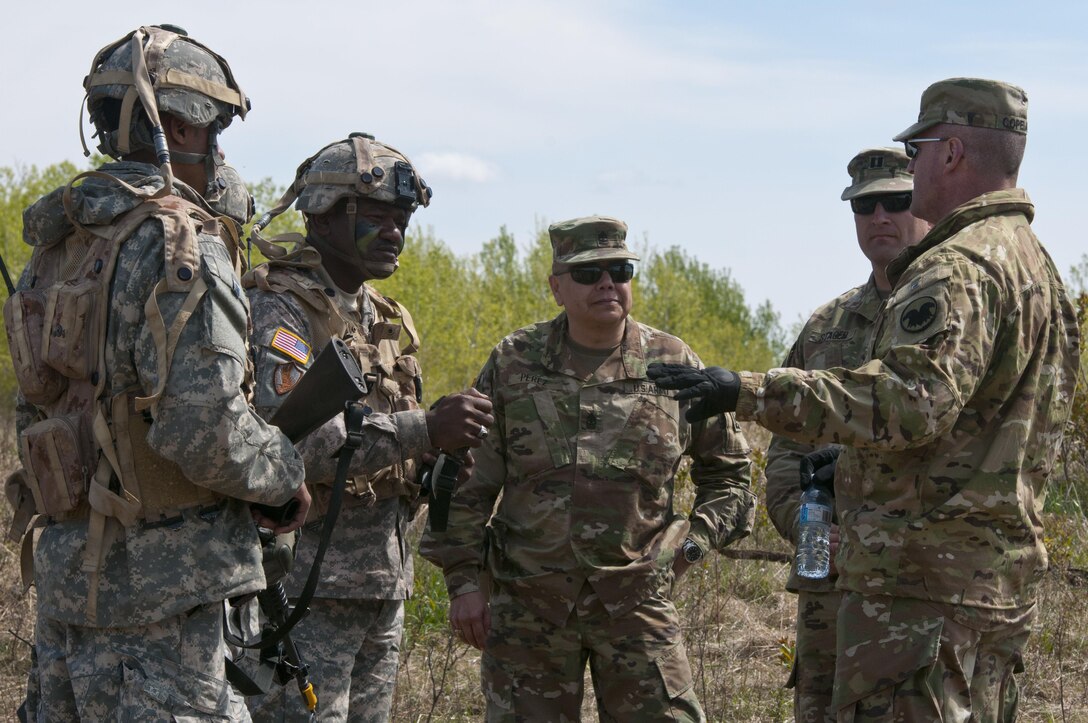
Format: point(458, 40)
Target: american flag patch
point(291, 345)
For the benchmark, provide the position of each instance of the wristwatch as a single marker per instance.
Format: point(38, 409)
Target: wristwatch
point(692, 551)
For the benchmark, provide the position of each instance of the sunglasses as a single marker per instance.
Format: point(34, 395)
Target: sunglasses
point(892, 203)
point(589, 274)
point(911, 145)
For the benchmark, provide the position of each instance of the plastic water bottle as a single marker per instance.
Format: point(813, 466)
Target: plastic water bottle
point(814, 538)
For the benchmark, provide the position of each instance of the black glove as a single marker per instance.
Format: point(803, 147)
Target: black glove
point(819, 468)
point(715, 389)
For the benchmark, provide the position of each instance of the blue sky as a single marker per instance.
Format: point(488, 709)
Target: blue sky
point(720, 127)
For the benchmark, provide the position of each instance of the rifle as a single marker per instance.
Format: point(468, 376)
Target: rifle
point(333, 384)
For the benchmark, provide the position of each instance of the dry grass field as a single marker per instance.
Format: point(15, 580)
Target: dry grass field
point(738, 625)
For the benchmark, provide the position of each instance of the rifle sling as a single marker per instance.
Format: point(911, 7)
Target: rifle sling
point(354, 414)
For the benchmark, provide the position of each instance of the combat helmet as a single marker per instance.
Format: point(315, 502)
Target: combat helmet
point(166, 71)
point(358, 166)
point(350, 168)
point(232, 199)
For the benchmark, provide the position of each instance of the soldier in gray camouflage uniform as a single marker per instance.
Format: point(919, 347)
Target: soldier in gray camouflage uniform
point(584, 545)
point(131, 575)
point(954, 426)
point(838, 334)
point(357, 196)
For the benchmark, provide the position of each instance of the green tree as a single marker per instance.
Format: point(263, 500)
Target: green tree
point(706, 308)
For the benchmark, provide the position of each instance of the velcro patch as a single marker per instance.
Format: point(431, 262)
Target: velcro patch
point(291, 344)
point(918, 315)
point(385, 330)
point(285, 377)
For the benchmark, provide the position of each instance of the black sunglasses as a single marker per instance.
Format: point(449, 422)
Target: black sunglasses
point(589, 274)
point(892, 203)
point(910, 145)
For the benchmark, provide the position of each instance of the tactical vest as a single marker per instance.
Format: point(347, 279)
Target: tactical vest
point(86, 456)
point(393, 373)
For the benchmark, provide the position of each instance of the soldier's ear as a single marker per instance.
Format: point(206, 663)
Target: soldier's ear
point(553, 284)
point(319, 224)
point(955, 154)
point(183, 136)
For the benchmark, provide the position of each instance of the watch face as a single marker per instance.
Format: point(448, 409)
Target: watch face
point(692, 552)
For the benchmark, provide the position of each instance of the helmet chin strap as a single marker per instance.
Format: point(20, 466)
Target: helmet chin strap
point(211, 160)
point(328, 249)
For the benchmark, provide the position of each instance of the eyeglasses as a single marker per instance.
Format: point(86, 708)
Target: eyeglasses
point(892, 203)
point(589, 274)
point(911, 144)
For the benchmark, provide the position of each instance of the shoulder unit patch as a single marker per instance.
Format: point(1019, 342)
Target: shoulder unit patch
point(918, 315)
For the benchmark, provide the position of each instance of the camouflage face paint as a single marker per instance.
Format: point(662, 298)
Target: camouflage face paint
point(378, 252)
point(365, 234)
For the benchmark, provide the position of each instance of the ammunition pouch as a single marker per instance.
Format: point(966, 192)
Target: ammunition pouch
point(24, 322)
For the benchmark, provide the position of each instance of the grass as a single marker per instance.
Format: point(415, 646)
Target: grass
point(738, 624)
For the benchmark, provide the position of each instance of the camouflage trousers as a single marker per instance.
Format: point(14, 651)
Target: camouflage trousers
point(901, 659)
point(533, 670)
point(813, 675)
point(171, 670)
point(28, 710)
point(353, 649)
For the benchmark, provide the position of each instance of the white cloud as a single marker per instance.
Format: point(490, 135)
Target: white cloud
point(454, 166)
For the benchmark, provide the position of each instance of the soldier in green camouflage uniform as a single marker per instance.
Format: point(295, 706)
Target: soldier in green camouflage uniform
point(838, 334)
point(357, 196)
point(954, 426)
point(585, 543)
point(130, 591)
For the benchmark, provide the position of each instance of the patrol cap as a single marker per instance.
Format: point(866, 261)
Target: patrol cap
point(972, 102)
point(878, 170)
point(591, 238)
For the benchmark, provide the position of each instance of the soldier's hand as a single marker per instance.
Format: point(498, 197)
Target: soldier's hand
point(460, 420)
point(465, 456)
point(302, 501)
point(714, 390)
point(468, 463)
point(680, 565)
point(819, 468)
point(470, 618)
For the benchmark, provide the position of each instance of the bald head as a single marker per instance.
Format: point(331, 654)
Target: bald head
point(991, 153)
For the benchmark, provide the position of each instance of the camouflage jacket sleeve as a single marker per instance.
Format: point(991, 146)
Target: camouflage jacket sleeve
point(203, 421)
point(387, 438)
point(724, 506)
point(461, 550)
point(784, 467)
point(933, 345)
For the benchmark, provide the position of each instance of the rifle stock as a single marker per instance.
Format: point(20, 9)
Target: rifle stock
point(331, 382)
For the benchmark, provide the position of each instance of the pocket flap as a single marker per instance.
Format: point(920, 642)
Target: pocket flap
point(881, 655)
point(675, 671)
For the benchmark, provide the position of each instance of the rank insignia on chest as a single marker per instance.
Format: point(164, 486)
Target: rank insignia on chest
point(291, 344)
